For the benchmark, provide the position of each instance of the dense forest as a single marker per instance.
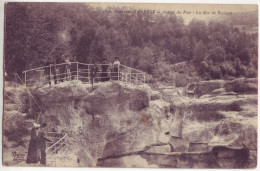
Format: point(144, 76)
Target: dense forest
point(39, 32)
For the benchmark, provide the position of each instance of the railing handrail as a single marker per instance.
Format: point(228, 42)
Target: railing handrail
point(54, 132)
point(132, 69)
point(56, 143)
point(123, 70)
point(30, 94)
point(10, 98)
point(85, 63)
point(47, 66)
point(12, 115)
point(58, 146)
point(34, 69)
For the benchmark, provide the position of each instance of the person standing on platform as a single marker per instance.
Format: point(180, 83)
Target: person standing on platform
point(50, 69)
point(93, 73)
point(116, 66)
point(47, 72)
point(68, 66)
point(53, 71)
point(104, 71)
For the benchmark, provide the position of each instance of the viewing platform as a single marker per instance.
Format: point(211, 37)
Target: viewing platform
point(81, 71)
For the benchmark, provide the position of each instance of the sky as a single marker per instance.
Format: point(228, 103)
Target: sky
point(187, 11)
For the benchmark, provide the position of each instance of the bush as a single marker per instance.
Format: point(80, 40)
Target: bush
point(215, 72)
point(15, 132)
point(251, 72)
point(181, 80)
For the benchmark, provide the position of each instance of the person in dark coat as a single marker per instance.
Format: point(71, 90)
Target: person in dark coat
point(62, 70)
point(116, 66)
point(33, 154)
point(54, 72)
point(42, 144)
point(68, 67)
point(47, 72)
point(104, 72)
point(50, 69)
point(93, 73)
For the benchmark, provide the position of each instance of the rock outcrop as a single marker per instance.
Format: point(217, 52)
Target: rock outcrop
point(238, 86)
point(116, 124)
point(217, 124)
point(107, 120)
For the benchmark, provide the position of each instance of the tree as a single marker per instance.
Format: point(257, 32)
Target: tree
point(16, 34)
point(244, 56)
point(198, 30)
point(217, 54)
point(147, 59)
point(40, 32)
point(199, 52)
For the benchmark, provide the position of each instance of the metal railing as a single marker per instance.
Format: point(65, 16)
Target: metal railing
point(6, 116)
point(81, 71)
point(59, 142)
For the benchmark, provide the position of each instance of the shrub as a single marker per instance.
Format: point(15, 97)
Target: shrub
point(215, 72)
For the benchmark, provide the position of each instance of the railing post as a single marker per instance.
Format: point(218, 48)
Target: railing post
point(15, 83)
point(144, 77)
point(130, 75)
point(136, 78)
point(25, 78)
point(88, 74)
point(118, 72)
point(77, 70)
point(50, 73)
point(30, 102)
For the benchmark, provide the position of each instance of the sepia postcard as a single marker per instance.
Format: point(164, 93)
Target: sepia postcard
point(130, 85)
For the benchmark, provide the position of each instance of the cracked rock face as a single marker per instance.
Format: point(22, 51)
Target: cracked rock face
point(111, 119)
point(114, 124)
point(220, 124)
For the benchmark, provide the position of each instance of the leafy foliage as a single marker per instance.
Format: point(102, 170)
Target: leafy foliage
point(41, 32)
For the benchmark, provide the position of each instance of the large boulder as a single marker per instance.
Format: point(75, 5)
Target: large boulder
point(205, 87)
point(115, 118)
point(219, 120)
point(240, 86)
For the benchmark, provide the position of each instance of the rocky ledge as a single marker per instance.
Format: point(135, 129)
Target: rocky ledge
point(115, 124)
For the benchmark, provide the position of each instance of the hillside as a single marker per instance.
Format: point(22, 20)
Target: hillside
point(149, 42)
point(244, 21)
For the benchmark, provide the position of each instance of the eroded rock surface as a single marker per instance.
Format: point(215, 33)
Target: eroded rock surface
point(218, 123)
point(110, 119)
point(115, 124)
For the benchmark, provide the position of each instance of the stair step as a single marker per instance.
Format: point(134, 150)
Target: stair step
point(11, 112)
point(7, 100)
point(9, 86)
point(10, 91)
point(10, 106)
point(7, 116)
point(10, 99)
